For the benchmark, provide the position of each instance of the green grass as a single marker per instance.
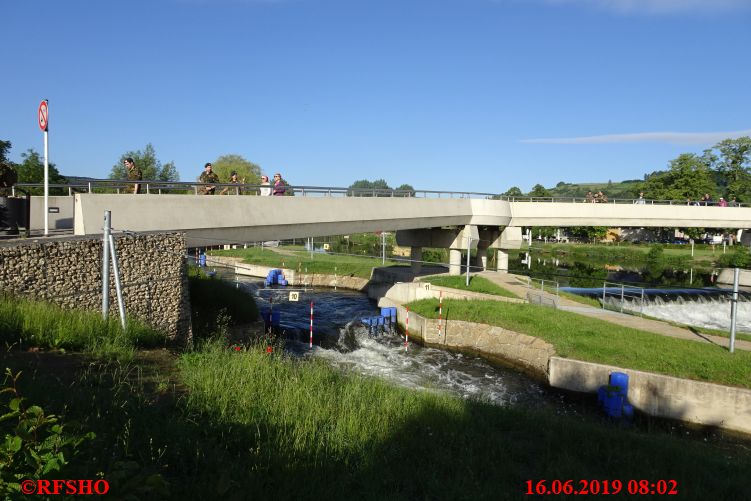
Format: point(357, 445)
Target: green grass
point(255, 425)
point(584, 338)
point(476, 284)
point(27, 323)
point(321, 263)
point(307, 421)
point(216, 304)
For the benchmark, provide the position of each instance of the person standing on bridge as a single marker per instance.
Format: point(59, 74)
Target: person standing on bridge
point(279, 187)
point(134, 174)
point(208, 176)
point(265, 189)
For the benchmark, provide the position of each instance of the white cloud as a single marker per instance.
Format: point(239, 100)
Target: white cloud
point(646, 137)
point(659, 6)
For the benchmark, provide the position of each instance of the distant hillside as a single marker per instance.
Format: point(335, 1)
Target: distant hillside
point(620, 189)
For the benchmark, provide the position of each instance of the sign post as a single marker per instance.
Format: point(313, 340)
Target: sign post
point(43, 118)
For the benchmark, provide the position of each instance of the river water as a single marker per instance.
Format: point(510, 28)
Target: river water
point(340, 339)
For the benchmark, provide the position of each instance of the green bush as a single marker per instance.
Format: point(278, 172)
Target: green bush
point(34, 444)
point(216, 305)
point(740, 258)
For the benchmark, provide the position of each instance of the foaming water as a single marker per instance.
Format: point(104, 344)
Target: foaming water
point(712, 313)
point(341, 340)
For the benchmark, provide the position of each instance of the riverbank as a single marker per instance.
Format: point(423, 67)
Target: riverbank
point(244, 417)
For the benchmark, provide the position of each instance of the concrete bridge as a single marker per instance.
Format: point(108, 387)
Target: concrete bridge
point(453, 223)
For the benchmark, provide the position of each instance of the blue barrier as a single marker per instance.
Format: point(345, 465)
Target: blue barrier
point(613, 397)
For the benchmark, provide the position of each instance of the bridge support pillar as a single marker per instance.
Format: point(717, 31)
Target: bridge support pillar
point(455, 262)
point(481, 259)
point(502, 260)
point(415, 254)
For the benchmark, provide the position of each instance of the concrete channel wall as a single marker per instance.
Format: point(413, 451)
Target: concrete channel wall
point(654, 394)
point(530, 354)
point(665, 396)
point(68, 272)
point(293, 277)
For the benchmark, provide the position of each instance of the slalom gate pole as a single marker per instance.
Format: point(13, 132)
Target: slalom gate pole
point(440, 312)
point(311, 324)
point(406, 332)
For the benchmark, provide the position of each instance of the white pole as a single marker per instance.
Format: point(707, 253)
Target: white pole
point(46, 176)
point(106, 266)
point(383, 248)
point(692, 248)
point(734, 308)
point(118, 286)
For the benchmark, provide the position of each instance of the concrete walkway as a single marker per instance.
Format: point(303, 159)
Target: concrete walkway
point(514, 284)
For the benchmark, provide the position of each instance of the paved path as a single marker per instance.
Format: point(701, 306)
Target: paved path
point(514, 284)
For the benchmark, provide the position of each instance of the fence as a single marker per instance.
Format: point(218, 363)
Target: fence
point(624, 293)
point(181, 187)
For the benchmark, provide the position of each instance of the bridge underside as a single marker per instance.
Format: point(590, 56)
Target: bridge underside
point(214, 219)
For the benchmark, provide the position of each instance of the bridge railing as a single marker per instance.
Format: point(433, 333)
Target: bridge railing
point(192, 187)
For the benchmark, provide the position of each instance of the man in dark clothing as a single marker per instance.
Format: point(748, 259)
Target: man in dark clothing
point(134, 174)
point(208, 176)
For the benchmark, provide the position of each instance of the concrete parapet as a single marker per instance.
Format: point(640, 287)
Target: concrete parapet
point(664, 396)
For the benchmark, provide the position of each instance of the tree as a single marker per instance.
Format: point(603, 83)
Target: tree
point(149, 164)
point(247, 171)
point(31, 170)
point(734, 165)
point(514, 191)
point(364, 184)
point(410, 191)
point(539, 190)
point(4, 150)
point(689, 176)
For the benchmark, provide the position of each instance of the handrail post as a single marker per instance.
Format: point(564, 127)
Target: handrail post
point(622, 299)
point(603, 294)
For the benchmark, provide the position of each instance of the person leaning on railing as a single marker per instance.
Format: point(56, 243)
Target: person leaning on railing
point(134, 174)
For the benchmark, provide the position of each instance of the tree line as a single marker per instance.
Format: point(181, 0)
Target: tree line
point(721, 171)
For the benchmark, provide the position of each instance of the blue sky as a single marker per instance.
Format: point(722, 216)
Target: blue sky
point(473, 95)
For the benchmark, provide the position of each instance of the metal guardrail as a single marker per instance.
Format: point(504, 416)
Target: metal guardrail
point(188, 187)
point(531, 284)
point(625, 292)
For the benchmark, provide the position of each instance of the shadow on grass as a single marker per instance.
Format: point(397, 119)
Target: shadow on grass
point(477, 452)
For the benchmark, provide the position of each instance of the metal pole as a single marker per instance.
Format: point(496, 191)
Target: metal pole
point(46, 179)
point(118, 286)
point(383, 248)
point(603, 295)
point(734, 308)
point(692, 247)
point(468, 253)
point(621, 298)
point(106, 266)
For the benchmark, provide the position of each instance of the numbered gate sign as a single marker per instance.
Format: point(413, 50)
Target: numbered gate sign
point(43, 115)
point(294, 296)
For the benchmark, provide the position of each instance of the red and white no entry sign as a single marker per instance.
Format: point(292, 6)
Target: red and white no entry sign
point(43, 116)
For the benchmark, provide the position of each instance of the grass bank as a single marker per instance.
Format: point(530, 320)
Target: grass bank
point(219, 422)
point(322, 263)
point(590, 339)
point(25, 323)
point(216, 304)
point(476, 284)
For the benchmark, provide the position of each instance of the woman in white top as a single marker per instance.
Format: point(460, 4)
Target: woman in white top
point(265, 186)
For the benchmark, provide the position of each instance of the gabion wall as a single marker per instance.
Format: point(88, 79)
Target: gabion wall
point(68, 272)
